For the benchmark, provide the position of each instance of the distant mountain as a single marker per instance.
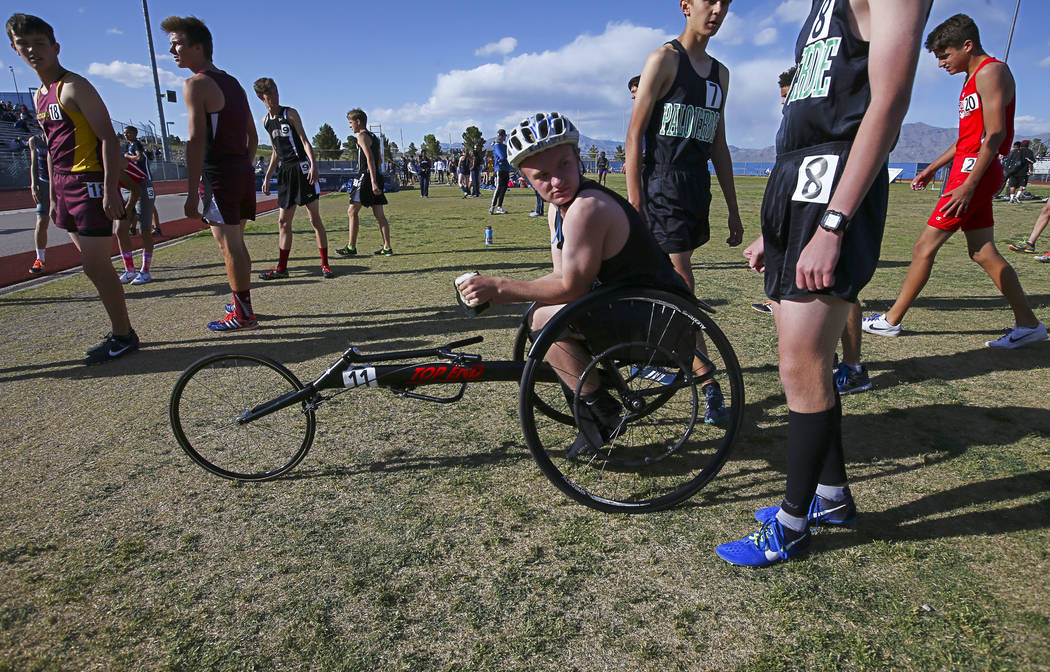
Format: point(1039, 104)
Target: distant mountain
point(918, 143)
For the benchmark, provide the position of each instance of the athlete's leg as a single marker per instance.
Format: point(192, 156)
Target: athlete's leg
point(284, 227)
point(94, 254)
point(1040, 224)
point(234, 254)
point(354, 215)
point(807, 329)
point(851, 336)
point(40, 230)
point(980, 244)
point(314, 209)
point(384, 225)
point(683, 265)
point(923, 255)
point(567, 357)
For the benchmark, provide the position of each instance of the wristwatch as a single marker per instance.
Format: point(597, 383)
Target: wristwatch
point(834, 221)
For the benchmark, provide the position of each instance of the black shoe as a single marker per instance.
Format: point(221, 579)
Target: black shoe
point(327, 272)
point(384, 252)
point(601, 419)
point(112, 347)
point(347, 251)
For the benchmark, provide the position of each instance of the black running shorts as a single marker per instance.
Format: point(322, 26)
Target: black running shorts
point(796, 198)
point(363, 193)
point(293, 185)
point(677, 207)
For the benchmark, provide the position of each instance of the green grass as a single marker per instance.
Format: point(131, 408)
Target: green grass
point(423, 537)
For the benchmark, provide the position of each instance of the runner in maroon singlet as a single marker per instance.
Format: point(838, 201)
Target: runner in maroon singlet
point(83, 162)
point(219, 155)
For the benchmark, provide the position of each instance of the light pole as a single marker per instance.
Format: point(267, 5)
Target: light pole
point(15, 80)
point(156, 83)
point(1010, 39)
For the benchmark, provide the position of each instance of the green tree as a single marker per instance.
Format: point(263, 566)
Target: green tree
point(472, 136)
point(389, 148)
point(327, 144)
point(412, 149)
point(431, 144)
point(620, 155)
point(350, 147)
point(592, 153)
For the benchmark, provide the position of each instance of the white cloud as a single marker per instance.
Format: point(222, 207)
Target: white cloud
point(504, 47)
point(753, 108)
point(586, 79)
point(1026, 124)
point(792, 11)
point(734, 30)
point(766, 36)
point(114, 31)
point(133, 75)
point(1045, 63)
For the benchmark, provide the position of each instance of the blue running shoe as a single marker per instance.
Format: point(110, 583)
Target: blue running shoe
point(654, 373)
point(770, 544)
point(715, 412)
point(821, 512)
point(232, 323)
point(849, 381)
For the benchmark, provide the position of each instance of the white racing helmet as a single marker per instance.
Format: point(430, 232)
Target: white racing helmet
point(538, 133)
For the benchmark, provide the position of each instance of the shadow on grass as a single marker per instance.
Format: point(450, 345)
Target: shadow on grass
point(988, 303)
point(506, 452)
point(886, 443)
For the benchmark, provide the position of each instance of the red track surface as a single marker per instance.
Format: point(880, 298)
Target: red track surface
point(15, 268)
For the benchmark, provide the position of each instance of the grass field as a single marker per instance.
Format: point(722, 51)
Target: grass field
point(423, 537)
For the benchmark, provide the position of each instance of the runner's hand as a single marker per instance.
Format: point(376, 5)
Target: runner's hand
point(815, 270)
point(312, 176)
point(755, 253)
point(113, 204)
point(191, 207)
point(920, 181)
point(959, 200)
point(736, 231)
point(35, 190)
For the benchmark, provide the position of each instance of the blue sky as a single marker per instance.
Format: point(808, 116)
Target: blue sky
point(426, 67)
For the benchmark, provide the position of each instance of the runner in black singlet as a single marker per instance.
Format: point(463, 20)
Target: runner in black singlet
point(293, 159)
point(822, 219)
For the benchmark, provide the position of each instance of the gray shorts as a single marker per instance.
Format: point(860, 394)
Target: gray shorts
point(43, 208)
point(146, 204)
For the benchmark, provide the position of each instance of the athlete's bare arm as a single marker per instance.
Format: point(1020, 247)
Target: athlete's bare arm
point(271, 166)
point(202, 96)
point(34, 171)
point(995, 86)
point(79, 94)
point(723, 163)
point(926, 174)
point(656, 79)
point(366, 147)
point(253, 139)
point(894, 33)
point(297, 126)
point(593, 227)
point(133, 155)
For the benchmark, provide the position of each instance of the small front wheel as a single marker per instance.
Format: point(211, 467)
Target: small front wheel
point(208, 402)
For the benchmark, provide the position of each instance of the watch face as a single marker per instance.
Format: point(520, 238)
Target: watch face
point(832, 221)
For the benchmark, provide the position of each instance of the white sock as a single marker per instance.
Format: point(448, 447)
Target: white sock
point(832, 493)
point(40, 254)
point(792, 522)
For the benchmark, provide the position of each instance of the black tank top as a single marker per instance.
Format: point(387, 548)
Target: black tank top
point(830, 91)
point(377, 154)
point(639, 261)
point(286, 141)
point(684, 122)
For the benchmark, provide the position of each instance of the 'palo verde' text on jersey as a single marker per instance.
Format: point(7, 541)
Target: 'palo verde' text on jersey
point(685, 121)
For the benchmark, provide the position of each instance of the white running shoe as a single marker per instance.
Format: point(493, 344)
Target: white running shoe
point(142, 279)
point(535, 214)
point(500, 211)
point(128, 276)
point(877, 324)
point(1019, 336)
